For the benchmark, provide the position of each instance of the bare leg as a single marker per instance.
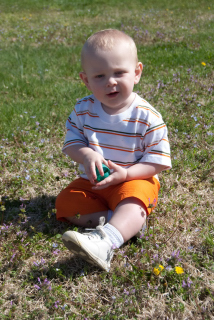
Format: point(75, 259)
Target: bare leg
point(90, 220)
point(128, 218)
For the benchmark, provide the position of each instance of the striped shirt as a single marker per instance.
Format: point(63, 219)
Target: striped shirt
point(136, 135)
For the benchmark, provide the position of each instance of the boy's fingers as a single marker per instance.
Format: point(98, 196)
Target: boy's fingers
point(100, 187)
point(112, 165)
point(105, 162)
point(100, 168)
point(103, 184)
point(91, 173)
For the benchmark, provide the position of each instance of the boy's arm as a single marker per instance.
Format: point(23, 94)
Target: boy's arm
point(143, 171)
point(138, 171)
point(89, 158)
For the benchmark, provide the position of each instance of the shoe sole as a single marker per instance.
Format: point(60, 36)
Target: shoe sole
point(75, 246)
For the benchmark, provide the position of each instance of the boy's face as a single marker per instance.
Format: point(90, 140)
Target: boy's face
point(111, 76)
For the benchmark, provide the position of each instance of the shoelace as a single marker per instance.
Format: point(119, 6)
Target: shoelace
point(98, 232)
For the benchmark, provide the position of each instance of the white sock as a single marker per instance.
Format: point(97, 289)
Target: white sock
point(110, 214)
point(114, 235)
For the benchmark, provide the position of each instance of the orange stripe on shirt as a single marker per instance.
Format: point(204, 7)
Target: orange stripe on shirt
point(77, 142)
point(134, 121)
point(160, 154)
point(130, 151)
point(114, 133)
point(155, 144)
point(86, 112)
point(156, 129)
point(151, 145)
point(85, 100)
point(149, 110)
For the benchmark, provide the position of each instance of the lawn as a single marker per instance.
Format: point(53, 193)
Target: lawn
point(168, 273)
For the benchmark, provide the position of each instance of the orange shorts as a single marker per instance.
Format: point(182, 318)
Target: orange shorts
point(79, 198)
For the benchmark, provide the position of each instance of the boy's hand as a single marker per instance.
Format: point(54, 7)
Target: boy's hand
point(119, 175)
point(92, 160)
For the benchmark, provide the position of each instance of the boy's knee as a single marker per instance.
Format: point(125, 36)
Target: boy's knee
point(133, 201)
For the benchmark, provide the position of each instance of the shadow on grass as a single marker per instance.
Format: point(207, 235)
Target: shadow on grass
point(36, 214)
point(35, 220)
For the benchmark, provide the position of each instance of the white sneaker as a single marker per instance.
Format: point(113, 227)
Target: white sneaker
point(95, 247)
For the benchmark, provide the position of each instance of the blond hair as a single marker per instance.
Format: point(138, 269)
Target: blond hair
point(106, 40)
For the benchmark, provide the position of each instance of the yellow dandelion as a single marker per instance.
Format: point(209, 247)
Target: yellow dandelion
point(179, 270)
point(203, 64)
point(158, 270)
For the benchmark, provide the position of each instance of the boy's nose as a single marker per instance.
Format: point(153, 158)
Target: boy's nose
point(111, 81)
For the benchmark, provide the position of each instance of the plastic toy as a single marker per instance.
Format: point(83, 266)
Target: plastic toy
point(106, 173)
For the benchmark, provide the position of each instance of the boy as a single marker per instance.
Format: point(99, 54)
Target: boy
point(117, 128)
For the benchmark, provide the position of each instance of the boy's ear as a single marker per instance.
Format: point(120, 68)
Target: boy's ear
point(138, 72)
point(84, 78)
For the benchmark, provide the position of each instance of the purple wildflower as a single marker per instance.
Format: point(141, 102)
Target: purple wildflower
point(56, 251)
point(114, 246)
point(12, 257)
point(169, 268)
point(155, 257)
point(189, 282)
point(46, 281)
point(37, 287)
point(126, 292)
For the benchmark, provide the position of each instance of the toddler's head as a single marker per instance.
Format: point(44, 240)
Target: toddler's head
point(107, 40)
point(111, 68)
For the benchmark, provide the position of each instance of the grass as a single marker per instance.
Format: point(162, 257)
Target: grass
point(168, 272)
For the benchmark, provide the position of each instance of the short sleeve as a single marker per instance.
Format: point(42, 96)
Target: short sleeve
point(155, 144)
point(75, 134)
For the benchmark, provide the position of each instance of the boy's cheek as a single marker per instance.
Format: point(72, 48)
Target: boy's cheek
point(88, 85)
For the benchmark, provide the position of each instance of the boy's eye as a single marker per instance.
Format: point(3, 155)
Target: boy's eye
point(99, 76)
point(119, 72)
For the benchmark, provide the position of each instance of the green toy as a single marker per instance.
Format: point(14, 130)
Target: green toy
point(106, 173)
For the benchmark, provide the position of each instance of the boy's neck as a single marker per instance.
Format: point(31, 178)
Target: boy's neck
point(120, 109)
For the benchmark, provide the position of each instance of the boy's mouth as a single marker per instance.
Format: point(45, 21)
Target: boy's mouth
point(113, 94)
